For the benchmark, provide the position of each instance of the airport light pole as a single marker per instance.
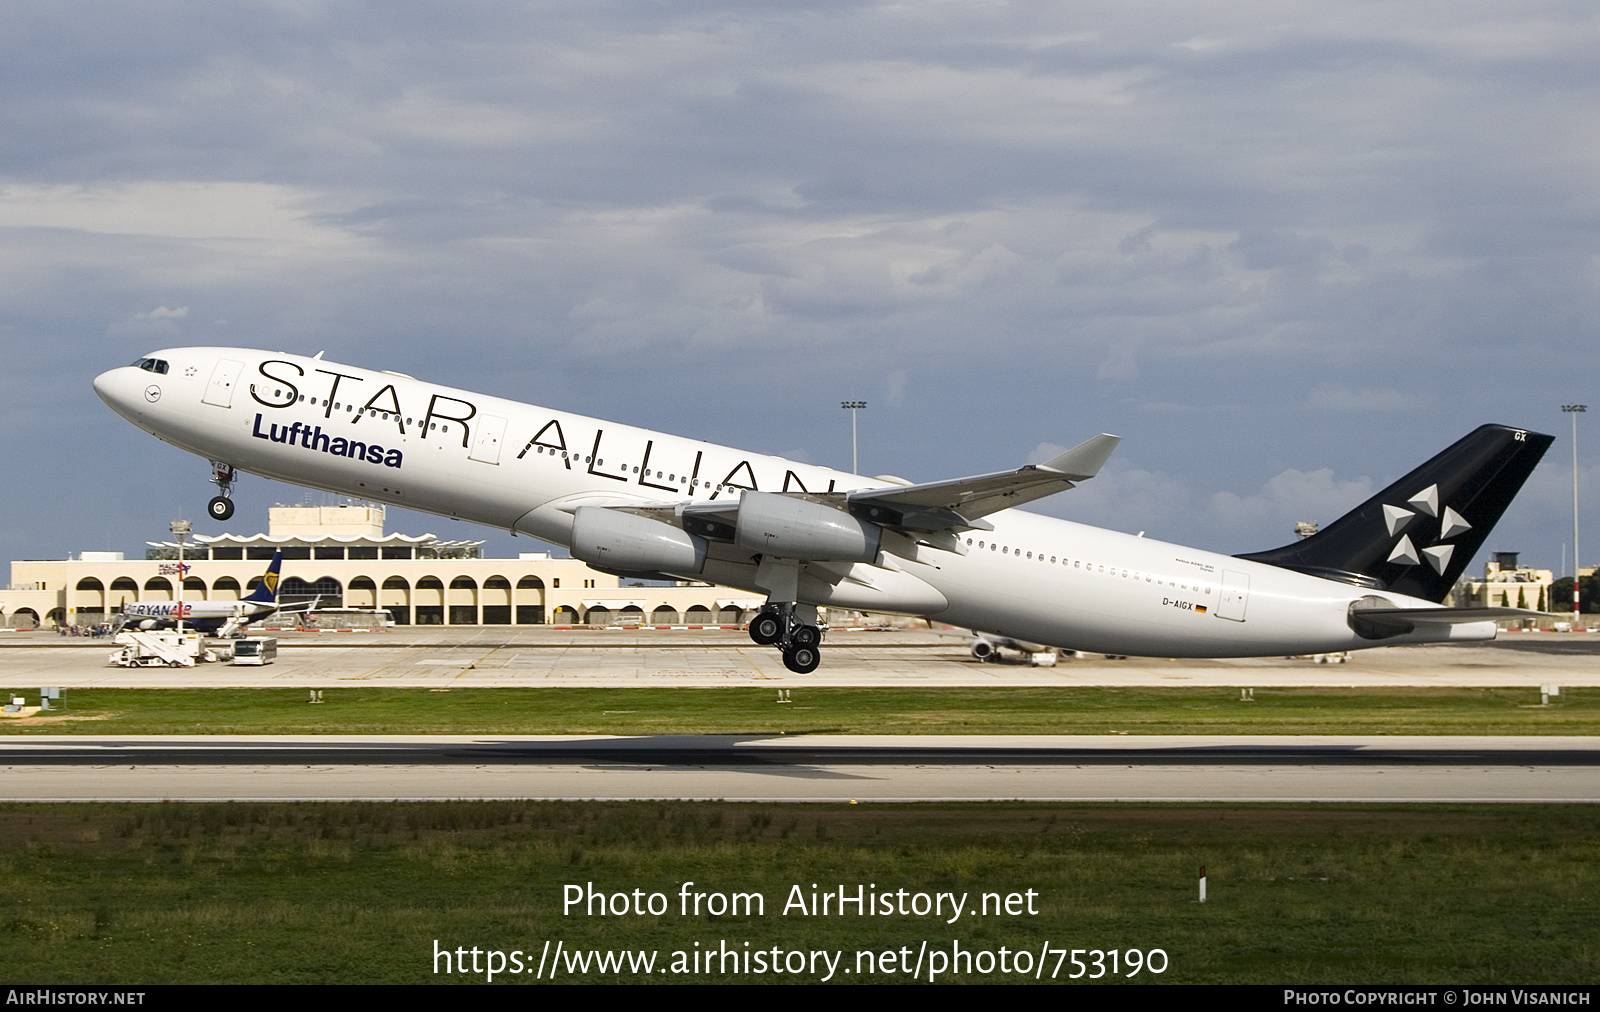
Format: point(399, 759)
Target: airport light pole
point(853, 407)
point(180, 530)
point(1575, 410)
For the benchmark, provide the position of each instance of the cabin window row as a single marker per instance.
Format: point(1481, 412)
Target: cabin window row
point(377, 413)
point(1090, 567)
point(681, 479)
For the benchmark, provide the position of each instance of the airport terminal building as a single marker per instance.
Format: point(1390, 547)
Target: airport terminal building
point(1506, 583)
point(341, 557)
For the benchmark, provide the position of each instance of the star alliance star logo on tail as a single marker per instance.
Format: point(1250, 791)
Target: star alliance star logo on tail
point(1398, 518)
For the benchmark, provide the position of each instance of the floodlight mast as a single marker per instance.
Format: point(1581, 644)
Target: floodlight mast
point(180, 530)
point(853, 407)
point(1575, 410)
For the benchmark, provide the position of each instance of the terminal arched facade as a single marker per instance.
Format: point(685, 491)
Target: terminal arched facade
point(341, 558)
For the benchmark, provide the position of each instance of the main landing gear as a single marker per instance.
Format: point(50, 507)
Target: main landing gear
point(223, 476)
point(793, 627)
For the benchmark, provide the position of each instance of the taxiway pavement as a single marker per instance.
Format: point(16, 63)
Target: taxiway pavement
point(520, 657)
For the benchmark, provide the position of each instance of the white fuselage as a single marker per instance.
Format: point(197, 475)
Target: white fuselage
point(394, 439)
point(203, 615)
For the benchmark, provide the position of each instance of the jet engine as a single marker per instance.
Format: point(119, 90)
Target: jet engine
point(794, 528)
point(626, 542)
point(987, 648)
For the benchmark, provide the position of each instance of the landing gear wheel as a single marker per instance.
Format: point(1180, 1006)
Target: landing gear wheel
point(802, 660)
point(766, 628)
point(220, 507)
point(805, 636)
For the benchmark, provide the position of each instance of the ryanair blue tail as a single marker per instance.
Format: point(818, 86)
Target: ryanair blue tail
point(266, 591)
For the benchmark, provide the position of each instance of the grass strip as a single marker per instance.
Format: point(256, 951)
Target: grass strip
point(353, 893)
point(363, 710)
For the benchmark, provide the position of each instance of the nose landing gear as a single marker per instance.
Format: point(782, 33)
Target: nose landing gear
point(223, 476)
point(793, 628)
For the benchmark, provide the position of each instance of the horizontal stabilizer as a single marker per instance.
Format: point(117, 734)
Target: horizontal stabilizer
point(1383, 623)
point(1452, 616)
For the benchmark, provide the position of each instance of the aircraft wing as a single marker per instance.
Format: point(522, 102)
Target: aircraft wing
point(960, 502)
point(930, 514)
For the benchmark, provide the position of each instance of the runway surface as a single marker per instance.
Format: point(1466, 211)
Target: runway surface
point(812, 768)
point(464, 656)
point(803, 768)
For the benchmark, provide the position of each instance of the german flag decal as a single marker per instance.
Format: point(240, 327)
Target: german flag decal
point(1200, 608)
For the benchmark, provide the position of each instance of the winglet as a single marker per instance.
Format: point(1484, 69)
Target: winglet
point(1085, 459)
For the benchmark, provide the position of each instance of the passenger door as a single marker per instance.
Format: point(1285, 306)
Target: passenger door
point(491, 433)
point(223, 379)
point(1235, 595)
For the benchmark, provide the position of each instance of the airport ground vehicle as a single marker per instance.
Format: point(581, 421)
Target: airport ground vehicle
point(255, 650)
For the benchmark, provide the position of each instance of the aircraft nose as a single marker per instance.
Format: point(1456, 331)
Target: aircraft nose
point(118, 389)
point(102, 385)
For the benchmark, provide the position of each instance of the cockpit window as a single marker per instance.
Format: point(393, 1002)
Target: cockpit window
point(156, 365)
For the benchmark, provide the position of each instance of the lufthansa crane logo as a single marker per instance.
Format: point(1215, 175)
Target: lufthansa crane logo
point(152, 393)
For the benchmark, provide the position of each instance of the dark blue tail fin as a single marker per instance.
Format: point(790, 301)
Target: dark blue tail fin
point(1419, 534)
point(266, 591)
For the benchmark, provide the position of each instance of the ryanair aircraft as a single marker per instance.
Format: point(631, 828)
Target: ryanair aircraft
point(220, 618)
point(640, 503)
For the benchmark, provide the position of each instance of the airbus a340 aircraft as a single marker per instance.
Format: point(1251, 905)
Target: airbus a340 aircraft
point(221, 618)
point(636, 502)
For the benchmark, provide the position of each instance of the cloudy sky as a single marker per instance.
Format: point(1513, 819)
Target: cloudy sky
point(1288, 250)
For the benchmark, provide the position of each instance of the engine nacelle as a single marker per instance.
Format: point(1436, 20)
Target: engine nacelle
point(792, 528)
point(983, 650)
point(621, 541)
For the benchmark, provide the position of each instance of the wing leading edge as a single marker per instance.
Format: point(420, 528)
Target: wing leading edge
point(954, 504)
point(818, 526)
point(961, 503)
